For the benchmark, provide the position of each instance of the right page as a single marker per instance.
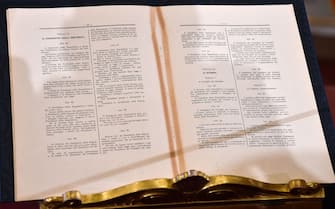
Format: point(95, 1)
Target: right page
point(244, 99)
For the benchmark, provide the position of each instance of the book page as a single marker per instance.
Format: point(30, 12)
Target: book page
point(244, 99)
point(87, 108)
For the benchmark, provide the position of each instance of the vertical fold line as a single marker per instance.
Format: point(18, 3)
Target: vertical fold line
point(167, 118)
point(172, 98)
point(94, 89)
point(236, 87)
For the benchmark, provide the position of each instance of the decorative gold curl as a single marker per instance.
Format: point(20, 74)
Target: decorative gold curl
point(187, 188)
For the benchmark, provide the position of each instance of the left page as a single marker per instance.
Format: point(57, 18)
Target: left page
point(86, 103)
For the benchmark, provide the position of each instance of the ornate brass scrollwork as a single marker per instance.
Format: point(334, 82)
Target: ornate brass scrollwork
point(189, 187)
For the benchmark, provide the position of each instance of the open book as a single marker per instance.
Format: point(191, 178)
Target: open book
point(105, 96)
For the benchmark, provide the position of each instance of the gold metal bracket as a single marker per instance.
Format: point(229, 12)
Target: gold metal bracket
point(189, 188)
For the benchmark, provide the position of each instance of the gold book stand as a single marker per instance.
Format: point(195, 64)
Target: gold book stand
point(194, 189)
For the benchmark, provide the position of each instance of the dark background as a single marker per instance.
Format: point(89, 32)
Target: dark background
point(323, 43)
